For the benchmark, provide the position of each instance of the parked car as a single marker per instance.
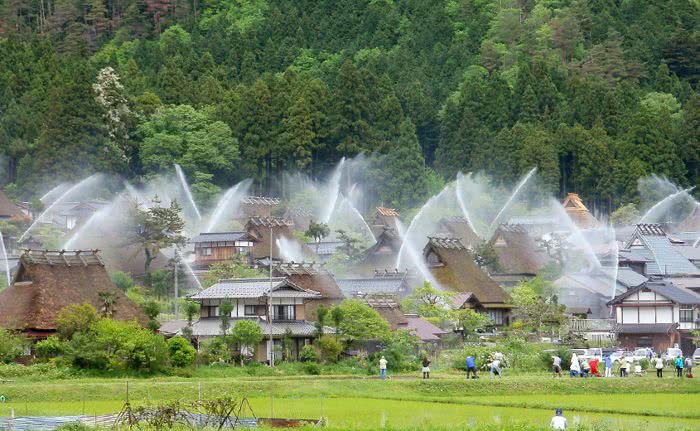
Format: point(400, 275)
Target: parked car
point(594, 352)
point(696, 356)
point(641, 353)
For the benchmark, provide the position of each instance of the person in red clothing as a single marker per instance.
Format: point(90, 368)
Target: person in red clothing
point(594, 367)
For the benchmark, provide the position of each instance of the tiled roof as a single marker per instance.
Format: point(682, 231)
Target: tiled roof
point(219, 236)
point(647, 328)
point(423, 329)
point(664, 258)
point(629, 277)
point(666, 288)
point(210, 327)
point(352, 286)
point(269, 221)
point(387, 212)
point(254, 288)
point(260, 200)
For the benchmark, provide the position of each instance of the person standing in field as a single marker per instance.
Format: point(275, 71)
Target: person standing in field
point(659, 365)
point(594, 367)
point(471, 366)
point(426, 368)
point(689, 366)
point(556, 366)
point(495, 368)
point(608, 365)
point(679, 366)
point(382, 368)
point(558, 422)
point(575, 368)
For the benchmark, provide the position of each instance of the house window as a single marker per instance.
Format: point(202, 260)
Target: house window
point(250, 310)
point(686, 315)
point(496, 316)
point(283, 312)
point(207, 251)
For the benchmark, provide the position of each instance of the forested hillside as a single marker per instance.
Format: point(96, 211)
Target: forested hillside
point(594, 93)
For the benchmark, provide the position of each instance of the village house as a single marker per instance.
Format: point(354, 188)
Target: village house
point(517, 250)
point(48, 281)
point(277, 305)
point(384, 252)
point(657, 314)
point(382, 219)
point(388, 307)
point(216, 247)
point(300, 217)
point(312, 277)
point(650, 251)
point(9, 211)
point(266, 233)
point(578, 213)
point(452, 266)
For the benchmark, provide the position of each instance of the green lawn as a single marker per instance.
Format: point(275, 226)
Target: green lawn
point(401, 402)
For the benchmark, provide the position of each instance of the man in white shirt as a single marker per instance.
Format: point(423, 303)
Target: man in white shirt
point(382, 368)
point(558, 421)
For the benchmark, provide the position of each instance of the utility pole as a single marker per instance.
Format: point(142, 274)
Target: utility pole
point(269, 306)
point(177, 287)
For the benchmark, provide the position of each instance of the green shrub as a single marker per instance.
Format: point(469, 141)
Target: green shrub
point(181, 352)
point(400, 352)
point(122, 280)
point(214, 351)
point(644, 363)
point(309, 354)
point(330, 348)
point(51, 347)
point(563, 352)
point(76, 426)
point(12, 345)
point(312, 368)
point(39, 371)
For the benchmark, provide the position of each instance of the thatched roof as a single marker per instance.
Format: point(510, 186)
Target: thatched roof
point(458, 227)
point(453, 267)
point(310, 276)
point(578, 212)
point(9, 210)
point(518, 253)
point(48, 281)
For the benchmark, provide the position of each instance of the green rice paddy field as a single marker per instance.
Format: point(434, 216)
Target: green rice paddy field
point(400, 403)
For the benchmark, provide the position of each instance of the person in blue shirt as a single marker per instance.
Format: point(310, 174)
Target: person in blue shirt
point(679, 366)
point(608, 365)
point(471, 366)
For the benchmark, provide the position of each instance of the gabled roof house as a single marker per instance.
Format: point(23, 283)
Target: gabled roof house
point(651, 247)
point(48, 281)
point(452, 266)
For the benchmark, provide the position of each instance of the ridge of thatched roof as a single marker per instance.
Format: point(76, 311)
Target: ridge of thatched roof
point(269, 222)
point(48, 281)
point(260, 200)
point(387, 212)
point(578, 212)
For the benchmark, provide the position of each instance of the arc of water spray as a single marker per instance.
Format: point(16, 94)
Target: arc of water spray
point(663, 201)
point(56, 202)
point(462, 205)
point(224, 204)
point(509, 202)
point(7, 261)
point(186, 188)
point(335, 191)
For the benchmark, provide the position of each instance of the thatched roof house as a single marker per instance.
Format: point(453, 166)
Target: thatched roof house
point(312, 277)
point(454, 269)
point(518, 252)
point(259, 229)
point(10, 211)
point(383, 218)
point(48, 281)
point(259, 206)
point(384, 252)
point(578, 212)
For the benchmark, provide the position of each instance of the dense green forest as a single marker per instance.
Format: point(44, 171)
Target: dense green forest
point(595, 93)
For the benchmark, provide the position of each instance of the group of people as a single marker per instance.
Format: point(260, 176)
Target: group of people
point(583, 367)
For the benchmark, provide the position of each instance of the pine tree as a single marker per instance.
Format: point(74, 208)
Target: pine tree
point(352, 105)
